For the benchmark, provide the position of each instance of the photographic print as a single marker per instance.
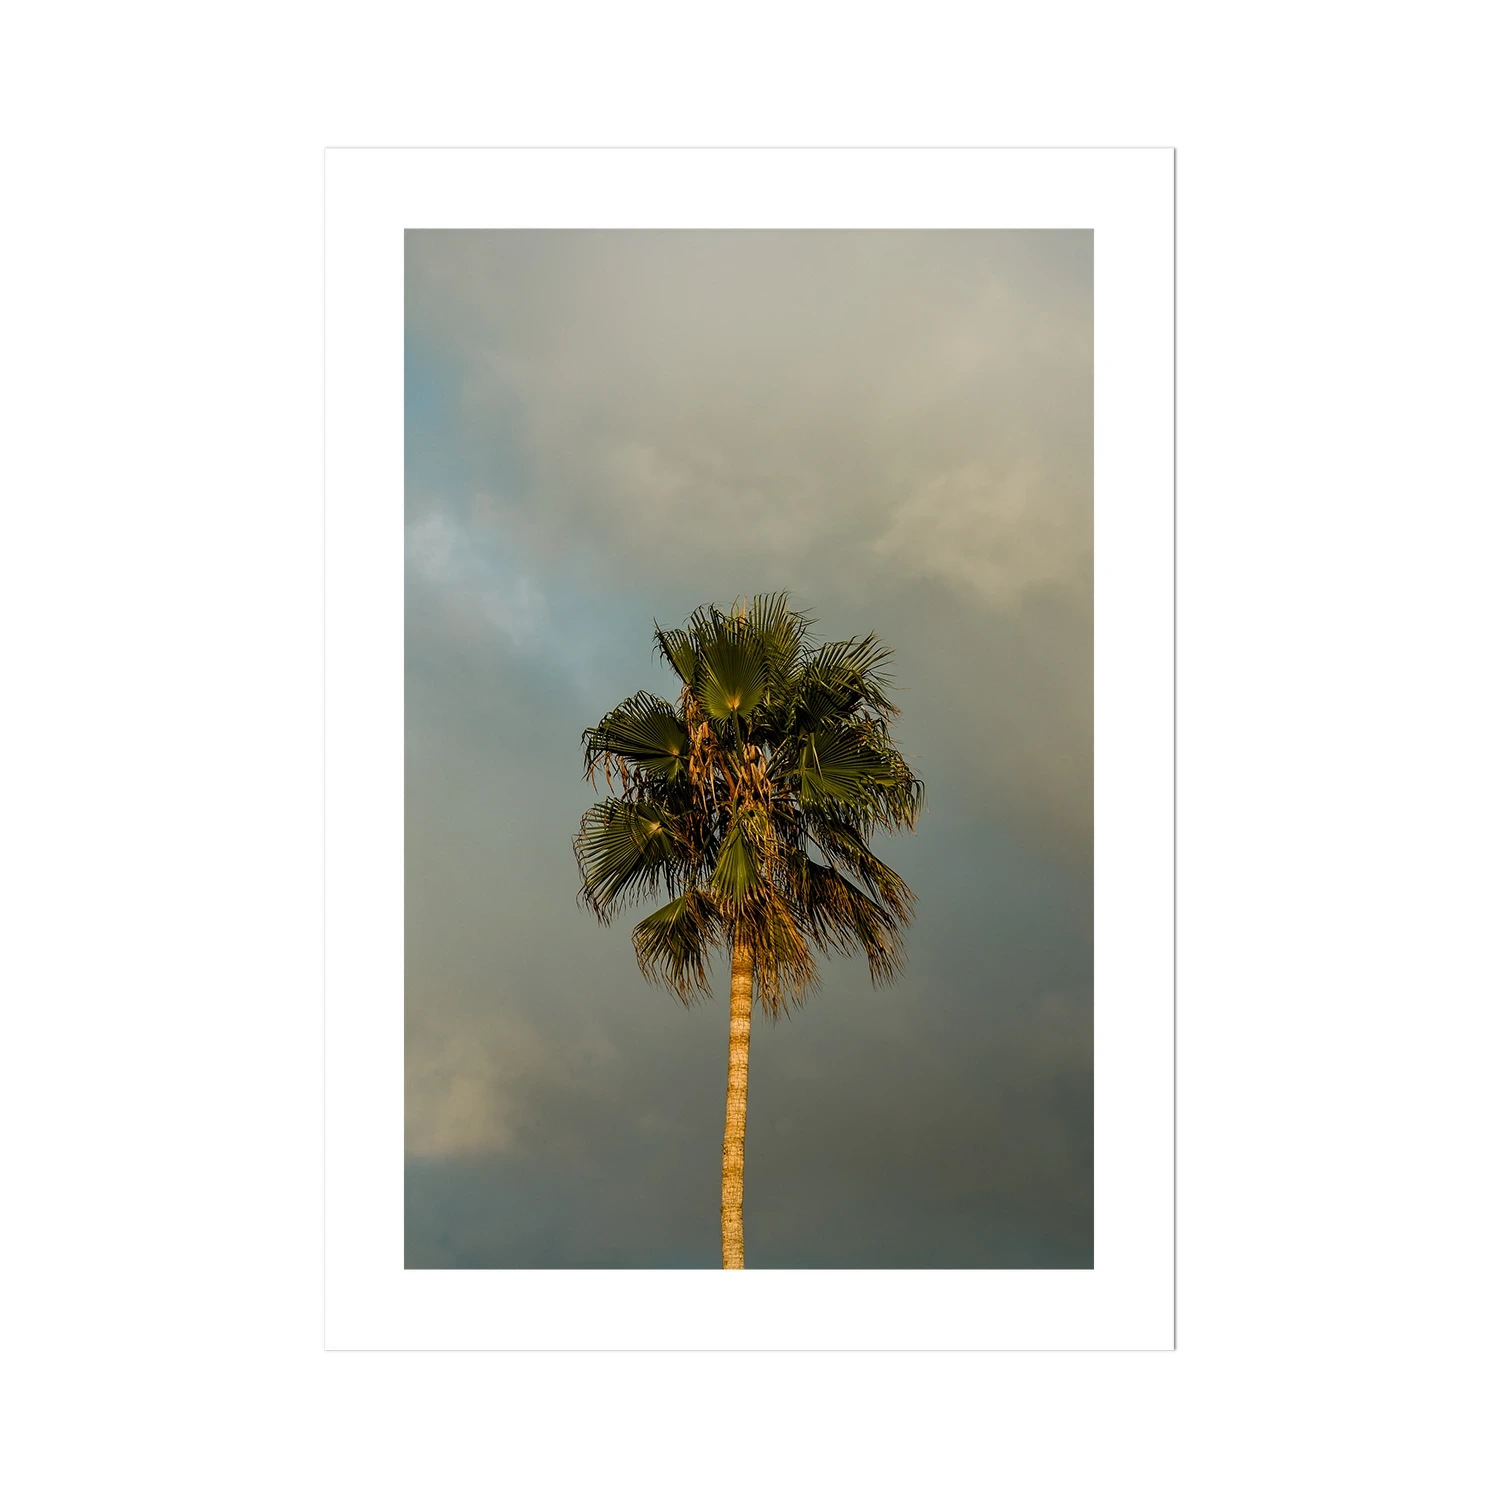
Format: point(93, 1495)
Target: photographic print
point(749, 749)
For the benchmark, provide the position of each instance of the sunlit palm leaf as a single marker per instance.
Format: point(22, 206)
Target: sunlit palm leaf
point(623, 849)
point(674, 945)
point(848, 853)
point(855, 669)
point(781, 631)
point(835, 765)
point(676, 648)
point(842, 917)
point(643, 730)
point(730, 678)
point(737, 870)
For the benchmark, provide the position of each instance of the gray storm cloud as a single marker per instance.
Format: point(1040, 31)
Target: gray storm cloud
point(605, 428)
point(913, 405)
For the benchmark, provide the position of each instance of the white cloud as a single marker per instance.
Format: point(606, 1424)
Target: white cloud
point(466, 1087)
point(463, 563)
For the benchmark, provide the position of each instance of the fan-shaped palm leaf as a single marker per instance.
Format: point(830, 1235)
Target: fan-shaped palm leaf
point(675, 944)
point(840, 916)
point(644, 730)
point(676, 648)
point(737, 869)
point(623, 848)
point(730, 678)
point(836, 765)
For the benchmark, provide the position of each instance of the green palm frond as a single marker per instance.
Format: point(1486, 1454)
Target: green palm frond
point(675, 647)
point(901, 804)
point(836, 765)
point(781, 631)
point(730, 678)
point(738, 867)
point(623, 849)
point(674, 946)
point(853, 770)
point(645, 731)
point(840, 916)
point(847, 852)
point(855, 670)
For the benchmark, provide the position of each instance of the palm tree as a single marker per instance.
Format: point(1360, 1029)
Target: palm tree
point(750, 804)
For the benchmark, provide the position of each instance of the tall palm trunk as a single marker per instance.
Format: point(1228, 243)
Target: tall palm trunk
point(731, 1218)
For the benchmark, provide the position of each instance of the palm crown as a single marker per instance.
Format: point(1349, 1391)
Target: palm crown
point(750, 803)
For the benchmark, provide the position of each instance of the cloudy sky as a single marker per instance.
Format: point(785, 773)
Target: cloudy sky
point(605, 428)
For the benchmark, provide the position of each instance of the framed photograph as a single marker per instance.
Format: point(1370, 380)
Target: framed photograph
point(749, 749)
